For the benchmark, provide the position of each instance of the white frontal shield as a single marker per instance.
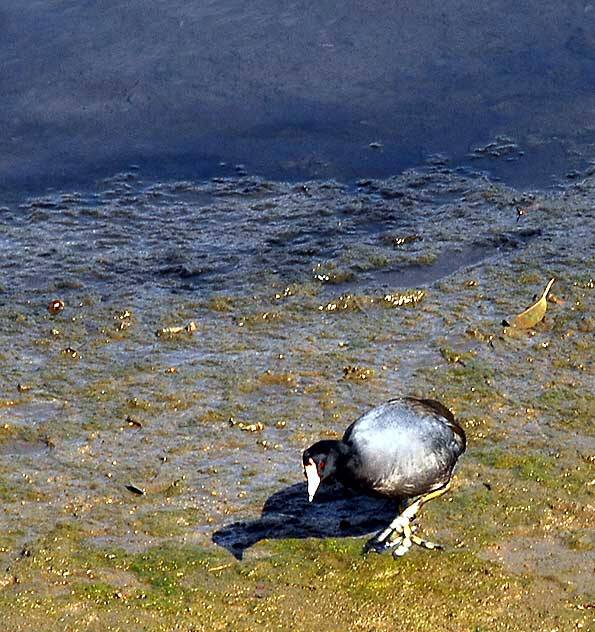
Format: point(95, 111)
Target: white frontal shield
point(313, 478)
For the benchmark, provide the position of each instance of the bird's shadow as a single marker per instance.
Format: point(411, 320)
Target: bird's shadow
point(334, 512)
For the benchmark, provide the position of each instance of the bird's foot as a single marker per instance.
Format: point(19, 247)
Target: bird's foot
point(376, 546)
point(400, 547)
point(426, 544)
point(390, 537)
point(382, 542)
point(402, 544)
point(384, 539)
point(399, 541)
point(409, 538)
point(397, 546)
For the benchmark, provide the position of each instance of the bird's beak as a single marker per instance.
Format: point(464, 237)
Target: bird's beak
point(313, 478)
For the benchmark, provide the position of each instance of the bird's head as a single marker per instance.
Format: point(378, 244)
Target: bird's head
point(320, 462)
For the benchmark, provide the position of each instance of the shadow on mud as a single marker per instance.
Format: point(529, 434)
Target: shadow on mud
point(335, 512)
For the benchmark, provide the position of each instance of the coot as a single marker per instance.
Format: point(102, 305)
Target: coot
point(405, 448)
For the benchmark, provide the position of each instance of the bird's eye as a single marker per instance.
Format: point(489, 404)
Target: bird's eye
point(321, 465)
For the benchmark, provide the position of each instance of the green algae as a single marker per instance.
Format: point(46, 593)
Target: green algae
point(524, 466)
point(294, 584)
point(570, 404)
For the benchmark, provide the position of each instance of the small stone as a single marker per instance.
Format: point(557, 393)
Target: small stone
point(56, 306)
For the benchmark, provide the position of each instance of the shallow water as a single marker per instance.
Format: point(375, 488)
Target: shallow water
point(293, 91)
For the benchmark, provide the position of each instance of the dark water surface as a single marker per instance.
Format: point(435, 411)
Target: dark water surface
point(293, 89)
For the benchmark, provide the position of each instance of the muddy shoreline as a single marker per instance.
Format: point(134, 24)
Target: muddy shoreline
point(128, 457)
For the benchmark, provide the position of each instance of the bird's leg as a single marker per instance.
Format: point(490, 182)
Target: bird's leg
point(381, 541)
point(398, 536)
point(387, 538)
point(401, 544)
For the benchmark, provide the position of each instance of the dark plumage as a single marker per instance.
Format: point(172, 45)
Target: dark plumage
point(405, 448)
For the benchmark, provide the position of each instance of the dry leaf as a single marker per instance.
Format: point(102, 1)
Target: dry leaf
point(534, 314)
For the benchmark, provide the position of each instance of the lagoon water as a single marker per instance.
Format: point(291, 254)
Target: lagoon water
point(262, 219)
point(292, 89)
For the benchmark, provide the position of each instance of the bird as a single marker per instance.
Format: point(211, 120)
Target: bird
point(406, 449)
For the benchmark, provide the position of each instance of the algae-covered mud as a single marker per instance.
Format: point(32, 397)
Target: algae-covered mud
point(168, 350)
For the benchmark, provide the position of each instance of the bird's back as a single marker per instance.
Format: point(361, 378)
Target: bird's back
point(404, 447)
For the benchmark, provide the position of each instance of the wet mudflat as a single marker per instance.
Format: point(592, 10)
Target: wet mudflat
point(151, 427)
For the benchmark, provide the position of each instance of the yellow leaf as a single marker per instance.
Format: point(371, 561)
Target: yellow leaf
point(534, 314)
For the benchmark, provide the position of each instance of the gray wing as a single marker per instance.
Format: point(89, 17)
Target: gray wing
point(402, 448)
